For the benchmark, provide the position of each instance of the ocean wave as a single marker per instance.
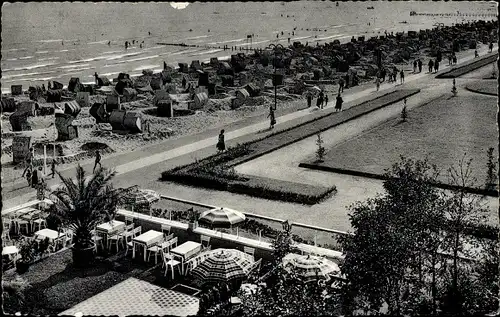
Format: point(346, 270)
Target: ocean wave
point(49, 41)
point(145, 67)
point(142, 58)
point(337, 26)
point(198, 37)
point(65, 50)
point(29, 79)
point(180, 53)
point(247, 44)
point(26, 74)
point(48, 58)
point(11, 59)
point(113, 65)
point(228, 41)
point(28, 67)
point(72, 66)
point(98, 42)
point(15, 49)
point(207, 52)
point(41, 52)
point(111, 52)
point(111, 58)
point(301, 38)
point(328, 37)
point(107, 74)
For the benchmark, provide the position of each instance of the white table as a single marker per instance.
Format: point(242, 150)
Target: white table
point(52, 235)
point(11, 250)
point(111, 227)
point(186, 251)
point(146, 240)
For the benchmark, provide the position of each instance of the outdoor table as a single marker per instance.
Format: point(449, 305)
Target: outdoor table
point(52, 235)
point(109, 229)
point(29, 213)
point(146, 240)
point(186, 251)
point(11, 250)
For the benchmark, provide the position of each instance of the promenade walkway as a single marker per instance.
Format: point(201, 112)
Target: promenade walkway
point(179, 151)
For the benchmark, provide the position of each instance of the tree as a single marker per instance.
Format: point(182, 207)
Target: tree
point(385, 257)
point(462, 210)
point(320, 152)
point(83, 204)
point(491, 178)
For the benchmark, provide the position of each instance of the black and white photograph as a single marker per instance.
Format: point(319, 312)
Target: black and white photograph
point(250, 158)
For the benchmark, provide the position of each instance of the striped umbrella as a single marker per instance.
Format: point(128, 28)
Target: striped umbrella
point(143, 197)
point(222, 216)
point(223, 265)
point(310, 267)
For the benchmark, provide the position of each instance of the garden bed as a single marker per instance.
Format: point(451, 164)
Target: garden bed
point(441, 131)
point(217, 171)
point(462, 70)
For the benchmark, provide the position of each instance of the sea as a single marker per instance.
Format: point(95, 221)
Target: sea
point(44, 41)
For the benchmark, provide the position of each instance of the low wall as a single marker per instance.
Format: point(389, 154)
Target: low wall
point(217, 239)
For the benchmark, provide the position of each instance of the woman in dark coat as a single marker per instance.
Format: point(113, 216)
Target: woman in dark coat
point(338, 103)
point(271, 117)
point(221, 145)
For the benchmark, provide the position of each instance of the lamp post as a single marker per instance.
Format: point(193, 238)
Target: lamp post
point(277, 48)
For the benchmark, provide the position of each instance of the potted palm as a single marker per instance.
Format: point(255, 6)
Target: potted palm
point(84, 203)
point(27, 252)
point(193, 217)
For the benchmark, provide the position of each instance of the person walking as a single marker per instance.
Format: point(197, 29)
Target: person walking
point(491, 47)
point(309, 100)
point(97, 159)
point(419, 65)
point(53, 168)
point(96, 78)
point(341, 85)
point(402, 76)
point(415, 64)
point(436, 65)
point(395, 75)
point(326, 101)
point(431, 65)
point(319, 101)
point(338, 103)
point(221, 144)
point(28, 177)
point(34, 179)
point(271, 117)
point(476, 54)
point(454, 59)
point(377, 82)
point(450, 58)
point(383, 73)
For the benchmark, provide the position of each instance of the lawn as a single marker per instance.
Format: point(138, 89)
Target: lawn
point(442, 131)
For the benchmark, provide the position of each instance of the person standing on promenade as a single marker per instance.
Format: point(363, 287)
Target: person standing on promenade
point(476, 54)
point(454, 59)
point(97, 159)
point(326, 101)
point(28, 177)
point(341, 85)
point(436, 66)
point(271, 117)
point(402, 76)
point(53, 168)
point(419, 65)
point(96, 78)
point(431, 65)
point(377, 82)
point(415, 64)
point(395, 75)
point(491, 47)
point(221, 145)
point(309, 100)
point(383, 73)
point(338, 103)
point(450, 58)
point(34, 178)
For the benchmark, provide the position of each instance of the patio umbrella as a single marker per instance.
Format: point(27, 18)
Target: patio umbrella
point(223, 265)
point(310, 267)
point(143, 197)
point(222, 216)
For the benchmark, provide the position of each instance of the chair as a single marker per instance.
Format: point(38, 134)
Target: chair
point(250, 251)
point(205, 242)
point(97, 240)
point(156, 249)
point(166, 230)
point(129, 220)
point(129, 244)
point(7, 225)
point(194, 262)
point(168, 260)
point(22, 223)
point(115, 239)
point(68, 237)
point(130, 227)
point(38, 222)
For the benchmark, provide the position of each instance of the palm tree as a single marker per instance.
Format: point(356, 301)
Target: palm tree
point(85, 203)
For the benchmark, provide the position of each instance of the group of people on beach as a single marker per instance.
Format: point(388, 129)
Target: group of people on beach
point(34, 176)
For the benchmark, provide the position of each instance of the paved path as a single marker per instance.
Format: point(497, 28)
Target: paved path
point(150, 161)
